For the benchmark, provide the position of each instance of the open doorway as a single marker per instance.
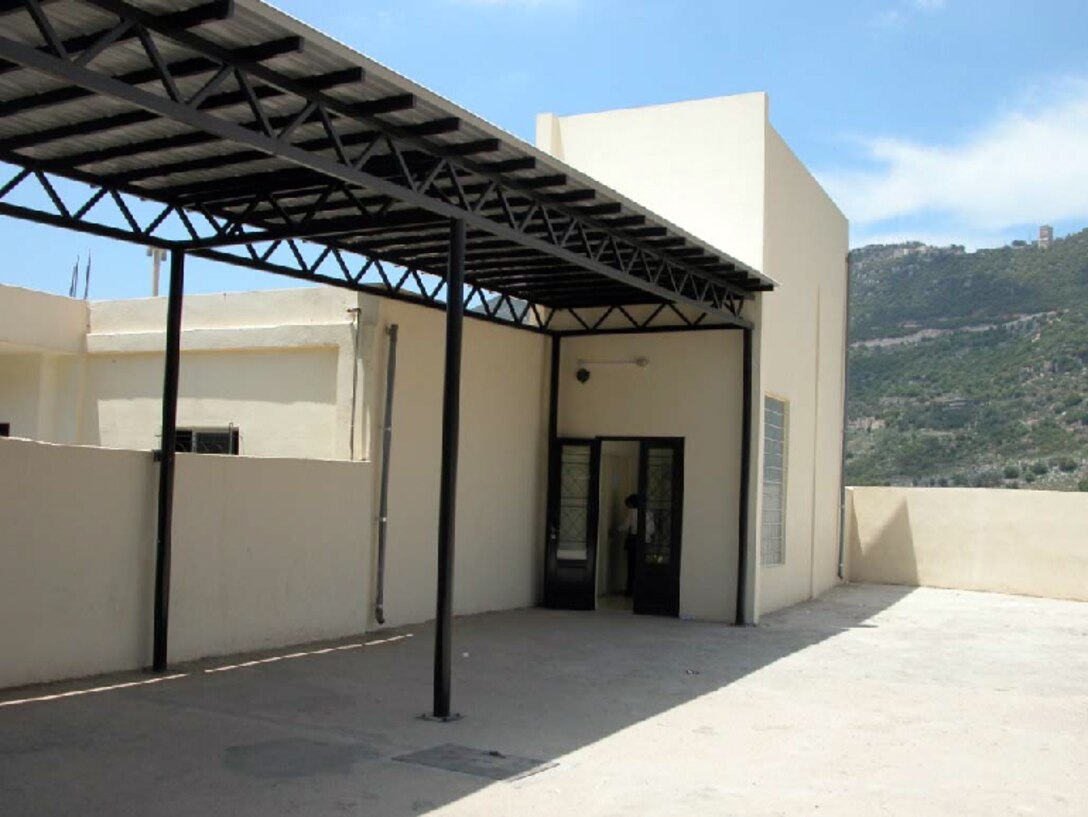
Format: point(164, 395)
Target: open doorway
point(593, 557)
point(617, 533)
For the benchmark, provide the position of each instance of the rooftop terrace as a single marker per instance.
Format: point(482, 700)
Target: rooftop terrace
point(872, 700)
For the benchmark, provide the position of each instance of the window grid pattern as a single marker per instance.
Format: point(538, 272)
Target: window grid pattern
point(659, 493)
point(773, 522)
point(574, 482)
point(208, 440)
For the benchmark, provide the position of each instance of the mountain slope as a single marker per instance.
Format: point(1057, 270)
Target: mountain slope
point(969, 368)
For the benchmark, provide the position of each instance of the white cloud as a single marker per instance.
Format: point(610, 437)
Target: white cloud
point(1027, 166)
point(897, 15)
point(888, 18)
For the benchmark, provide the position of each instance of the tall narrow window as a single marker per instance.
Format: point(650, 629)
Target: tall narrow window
point(772, 535)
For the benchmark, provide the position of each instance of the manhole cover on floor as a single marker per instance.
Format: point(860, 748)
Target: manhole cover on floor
point(463, 759)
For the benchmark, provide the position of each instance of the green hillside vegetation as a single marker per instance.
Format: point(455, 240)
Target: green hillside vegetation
point(969, 368)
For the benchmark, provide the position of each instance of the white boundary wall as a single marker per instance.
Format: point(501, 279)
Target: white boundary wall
point(1033, 543)
point(266, 553)
point(269, 551)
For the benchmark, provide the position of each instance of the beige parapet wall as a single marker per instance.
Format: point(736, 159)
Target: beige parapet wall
point(267, 552)
point(1033, 543)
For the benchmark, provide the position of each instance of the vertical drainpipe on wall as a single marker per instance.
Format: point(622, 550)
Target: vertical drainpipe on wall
point(815, 451)
point(745, 476)
point(553, 436)
point(355, 326)
point(383, 495)
point(845, 418)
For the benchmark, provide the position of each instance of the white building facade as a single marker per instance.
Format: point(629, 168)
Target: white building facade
point(721, 170)
point(300, 374)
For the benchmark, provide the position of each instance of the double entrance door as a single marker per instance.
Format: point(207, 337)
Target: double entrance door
point(594, 538)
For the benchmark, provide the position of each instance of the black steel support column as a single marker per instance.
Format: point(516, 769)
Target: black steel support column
point(745, 476)
point(553, 436)
point(166, 458)
point(553, 394)
point(447, 497)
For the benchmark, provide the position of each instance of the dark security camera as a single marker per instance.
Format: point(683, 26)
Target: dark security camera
point(582, 374)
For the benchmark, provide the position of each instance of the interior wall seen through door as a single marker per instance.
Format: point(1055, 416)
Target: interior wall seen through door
point(619, 479)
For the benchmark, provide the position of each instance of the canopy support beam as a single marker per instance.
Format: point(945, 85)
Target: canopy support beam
point(166, 460)
point(447, 497)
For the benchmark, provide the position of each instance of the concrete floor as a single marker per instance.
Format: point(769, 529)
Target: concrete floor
point(872, 700)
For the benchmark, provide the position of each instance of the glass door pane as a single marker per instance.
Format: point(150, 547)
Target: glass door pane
point(570, 570)
point(575, 478)
point(659, 506)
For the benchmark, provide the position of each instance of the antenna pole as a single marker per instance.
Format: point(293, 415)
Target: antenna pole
point(157, 255)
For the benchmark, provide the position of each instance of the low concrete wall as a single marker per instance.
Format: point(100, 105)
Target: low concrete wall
point(1033, 543)
point(266, 553)
point(77, 542)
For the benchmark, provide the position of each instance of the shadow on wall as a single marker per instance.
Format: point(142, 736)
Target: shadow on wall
point(328, 729)
point(888, 555)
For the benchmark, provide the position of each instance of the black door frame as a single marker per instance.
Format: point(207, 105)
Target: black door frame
point(571, 584)
point(553, 596)
point(663, 599)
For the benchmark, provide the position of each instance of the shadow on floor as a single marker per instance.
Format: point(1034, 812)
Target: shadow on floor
point(320, 732)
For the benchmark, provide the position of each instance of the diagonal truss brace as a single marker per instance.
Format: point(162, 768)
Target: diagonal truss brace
point(546, 227)
point(173, 228)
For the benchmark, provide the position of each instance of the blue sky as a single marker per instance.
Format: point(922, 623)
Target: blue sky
point(941, 120)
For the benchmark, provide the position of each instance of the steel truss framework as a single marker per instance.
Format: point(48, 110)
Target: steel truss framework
point(237, 135)
point(308, 184)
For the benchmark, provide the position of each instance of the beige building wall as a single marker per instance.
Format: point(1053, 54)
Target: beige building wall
point(801, 348)
point(689, 389)
point(718, 168)
point(1033, 543)
point(283, 401)
point(278, 365)
point(20, 386)
point(699, 164)
point(501, 474)
point(39, 393)
point(42, 342)
point(37, 321)
point(286, 367)
point(266, 553)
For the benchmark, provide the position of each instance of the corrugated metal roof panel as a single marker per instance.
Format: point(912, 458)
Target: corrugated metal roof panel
point(116, 140)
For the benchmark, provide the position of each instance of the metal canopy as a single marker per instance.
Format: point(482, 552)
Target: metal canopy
point(231, 131)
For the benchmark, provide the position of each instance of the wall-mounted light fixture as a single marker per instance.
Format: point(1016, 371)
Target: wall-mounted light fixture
point(641, 362)
point(583, 366)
